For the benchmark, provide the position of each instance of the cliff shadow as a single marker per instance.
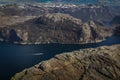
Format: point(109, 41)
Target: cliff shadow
point(13, 37)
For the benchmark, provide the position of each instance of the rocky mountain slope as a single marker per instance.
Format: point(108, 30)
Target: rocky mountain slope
point(84, 12)
point(10, 20)
point(117, 30)
point(116, 25)
point(100, 63)
point(55, 28)
point(115, 21)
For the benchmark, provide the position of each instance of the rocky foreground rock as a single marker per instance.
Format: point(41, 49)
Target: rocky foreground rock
point(100, 63)
point(55, 28)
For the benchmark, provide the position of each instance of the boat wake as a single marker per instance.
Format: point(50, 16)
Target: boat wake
point(37, 54)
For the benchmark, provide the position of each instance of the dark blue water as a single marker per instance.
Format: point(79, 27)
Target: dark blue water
point(14, 58)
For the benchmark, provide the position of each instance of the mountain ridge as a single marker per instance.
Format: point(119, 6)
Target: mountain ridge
point(109, 2)
point(55, 28)
point(83, 12)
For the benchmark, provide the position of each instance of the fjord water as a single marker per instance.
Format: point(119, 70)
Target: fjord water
point(14, 58)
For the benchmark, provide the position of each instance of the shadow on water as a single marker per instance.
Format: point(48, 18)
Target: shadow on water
point(15, 58)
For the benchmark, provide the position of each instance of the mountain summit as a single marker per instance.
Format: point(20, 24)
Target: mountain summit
point(55, 28)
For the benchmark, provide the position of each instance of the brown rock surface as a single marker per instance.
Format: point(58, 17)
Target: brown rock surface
point(56, 28)
point(100, 63)
point(10, 20)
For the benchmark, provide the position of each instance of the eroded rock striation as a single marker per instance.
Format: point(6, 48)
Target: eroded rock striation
point(100, 63)
point(55, 28)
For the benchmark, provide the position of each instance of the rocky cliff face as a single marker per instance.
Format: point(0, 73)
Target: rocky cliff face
point(55, 28)
point(115, 21)
point(100, 63)
point(117, 31)
point(116, 25)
